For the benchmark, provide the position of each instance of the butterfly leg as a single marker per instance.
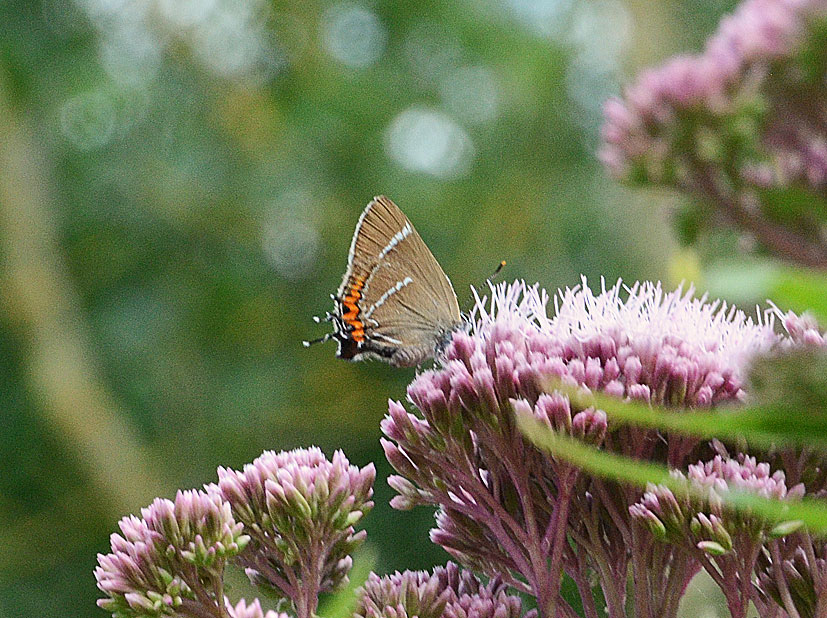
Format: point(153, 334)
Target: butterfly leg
point(327, 317)
point(327, 337)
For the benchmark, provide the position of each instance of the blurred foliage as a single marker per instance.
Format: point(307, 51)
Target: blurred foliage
point(194, 170)
point(791, 288)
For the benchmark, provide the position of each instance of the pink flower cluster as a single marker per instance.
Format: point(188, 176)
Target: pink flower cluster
point(735, 70)
point(739, 124)
point(287, 518)
point(299, 503)
point(448, 592)
point(161, 563)
point(506, 507)
point(727, 542)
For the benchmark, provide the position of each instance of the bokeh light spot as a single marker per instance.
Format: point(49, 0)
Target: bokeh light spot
point(589, 87)
point(186, 13)
point(291, 246)
point(353, 35)
point(471, 92)
point(88, 120)
point(130, 54)
point(101, 9)
point(429, 141)
point(600, 31)
point(545, 17)
point(228, 45)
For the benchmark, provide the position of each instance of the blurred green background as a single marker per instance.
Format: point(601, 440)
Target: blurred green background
point(179, 182)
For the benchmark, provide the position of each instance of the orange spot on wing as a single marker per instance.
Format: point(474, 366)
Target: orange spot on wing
point(357, 285)
point(352, 296)
point(352, 314)
point(349, 302)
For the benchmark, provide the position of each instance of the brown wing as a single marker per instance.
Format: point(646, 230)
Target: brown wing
point(379, 223)
point(395, 297)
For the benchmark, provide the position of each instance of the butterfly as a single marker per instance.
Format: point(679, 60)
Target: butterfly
point(395, 303)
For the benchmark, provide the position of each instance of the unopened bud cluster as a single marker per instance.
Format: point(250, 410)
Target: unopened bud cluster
point(299, 508)
point(699, 514)
point(290, 514)
point(448, 592)
point(738, 125)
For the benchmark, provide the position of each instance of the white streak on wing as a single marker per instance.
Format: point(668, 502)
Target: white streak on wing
point(359, 223)
point(397, 238)
point(387, 339)
point(393, 290)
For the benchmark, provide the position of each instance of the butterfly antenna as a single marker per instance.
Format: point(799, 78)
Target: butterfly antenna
point(489, 279)
point(496, 272)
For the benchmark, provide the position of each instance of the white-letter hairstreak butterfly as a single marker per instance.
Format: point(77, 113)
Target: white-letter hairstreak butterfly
point(395, 302)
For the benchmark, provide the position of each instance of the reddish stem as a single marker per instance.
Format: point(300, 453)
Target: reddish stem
point(779, 240)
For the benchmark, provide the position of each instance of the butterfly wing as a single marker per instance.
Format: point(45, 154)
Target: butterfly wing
point(395, 302)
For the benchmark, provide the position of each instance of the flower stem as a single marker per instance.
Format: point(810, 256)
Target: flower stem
point(557, 526)
point(307, 597)
point(781, 581)
point(218, 590)
point(583, 587)
point(640, 568)
point(681, 571)
point(781, 241)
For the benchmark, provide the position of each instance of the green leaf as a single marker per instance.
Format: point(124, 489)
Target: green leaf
point(785, 528)
point(594, 461)
point(791, 406)
point(747, 282)
point(743, 282)
point(811, 512)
